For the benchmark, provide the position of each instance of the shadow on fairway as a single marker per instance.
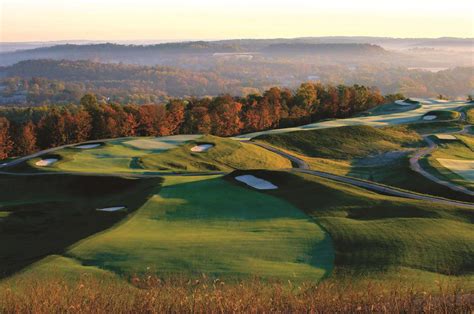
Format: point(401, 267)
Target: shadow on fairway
point(45, 215)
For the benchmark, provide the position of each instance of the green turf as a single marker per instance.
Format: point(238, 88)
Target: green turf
point(226, 155)
point(443, 114)
point(372, 232)
point(389, 109)
point(207, 225)
point(469, 111)
point(382, 157)
point(462, 149)
point(344, 142)
point(49, 213)
point(119, 156)
point(434, 127)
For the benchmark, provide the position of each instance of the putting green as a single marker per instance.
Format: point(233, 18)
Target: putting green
point(161, 143)
point(464, 168)
point(167, 154)
point(208, 225)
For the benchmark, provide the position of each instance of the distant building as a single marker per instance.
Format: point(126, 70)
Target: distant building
point(314, 78)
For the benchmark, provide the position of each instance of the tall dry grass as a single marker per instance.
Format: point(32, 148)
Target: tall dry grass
point(152, 295)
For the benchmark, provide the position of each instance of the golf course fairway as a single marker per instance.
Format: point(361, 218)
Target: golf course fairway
point(198, 225)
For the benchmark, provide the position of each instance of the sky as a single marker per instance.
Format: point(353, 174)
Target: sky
point(50, 20)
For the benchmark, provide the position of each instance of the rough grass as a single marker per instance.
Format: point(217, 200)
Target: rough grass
point(120, 157)
point(462, 149)
point(372, 232)
point(382, 157)
point(201, 295)
point(207, 225)
point(434, 127)
point(470, 114)
point(344, 142)
point(47, 214)
point(226, 155)
point(443, 114)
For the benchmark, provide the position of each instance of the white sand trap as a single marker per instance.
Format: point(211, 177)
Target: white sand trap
point(403, 103)
point(464, 168)
point(46, 162)
point(446, 137)
point(87, 146)
point(256, 183)
point(202, 148)
point(429, 117)
point(111, 209)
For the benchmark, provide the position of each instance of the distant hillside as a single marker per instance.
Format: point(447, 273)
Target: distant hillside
point(306, 48)
point(169, 53)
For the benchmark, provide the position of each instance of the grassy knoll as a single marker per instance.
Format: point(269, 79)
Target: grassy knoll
point(226, 155)
point(145, 155)
point(344, 142)
point(434, 127)
point(469, 111)
point(383, 157)
point(373, 233)
point(462, 150)
point(443, 115)
point(390, 108)
point(207, 225)
point(43, 215)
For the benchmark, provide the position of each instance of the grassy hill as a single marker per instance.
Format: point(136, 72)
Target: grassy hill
point(462, 150)
point(344, 142)
point(42, 215)
point(373, 233)
point(375, 154)
point(150, 155)
point(443, 115)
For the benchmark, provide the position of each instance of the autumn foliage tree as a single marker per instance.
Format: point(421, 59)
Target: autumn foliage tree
point(224, 115)
point(6, 143)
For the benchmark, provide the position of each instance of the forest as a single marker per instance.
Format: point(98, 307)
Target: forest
point(46, 82)
point(26, 130)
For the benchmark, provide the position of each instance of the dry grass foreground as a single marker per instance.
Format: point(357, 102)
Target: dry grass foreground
point(151, 295)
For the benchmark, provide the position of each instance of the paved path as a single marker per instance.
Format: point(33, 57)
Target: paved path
point(302, 167)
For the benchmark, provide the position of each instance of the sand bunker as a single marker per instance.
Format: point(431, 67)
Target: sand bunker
point(46, 162)
point(402, 103)
point(446, 137)
point(111, 209)
point(429, 117)
point(87, 146)
point(463, 168)
point(202, 148)
point(256, 183)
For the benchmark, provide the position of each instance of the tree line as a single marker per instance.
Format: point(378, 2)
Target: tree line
point(26, 130)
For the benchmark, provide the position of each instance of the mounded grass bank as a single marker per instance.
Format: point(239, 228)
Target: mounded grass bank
point(46, 214)
point(344, 142)
point(195, 225)
point(119, 156)
point(225, 155)
point(443, 115)
point(374, 233)
point(462, 149)
point(374, 154)
point(469, 111)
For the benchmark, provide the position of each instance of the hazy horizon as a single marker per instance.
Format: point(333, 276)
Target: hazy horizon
point(185, 20)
